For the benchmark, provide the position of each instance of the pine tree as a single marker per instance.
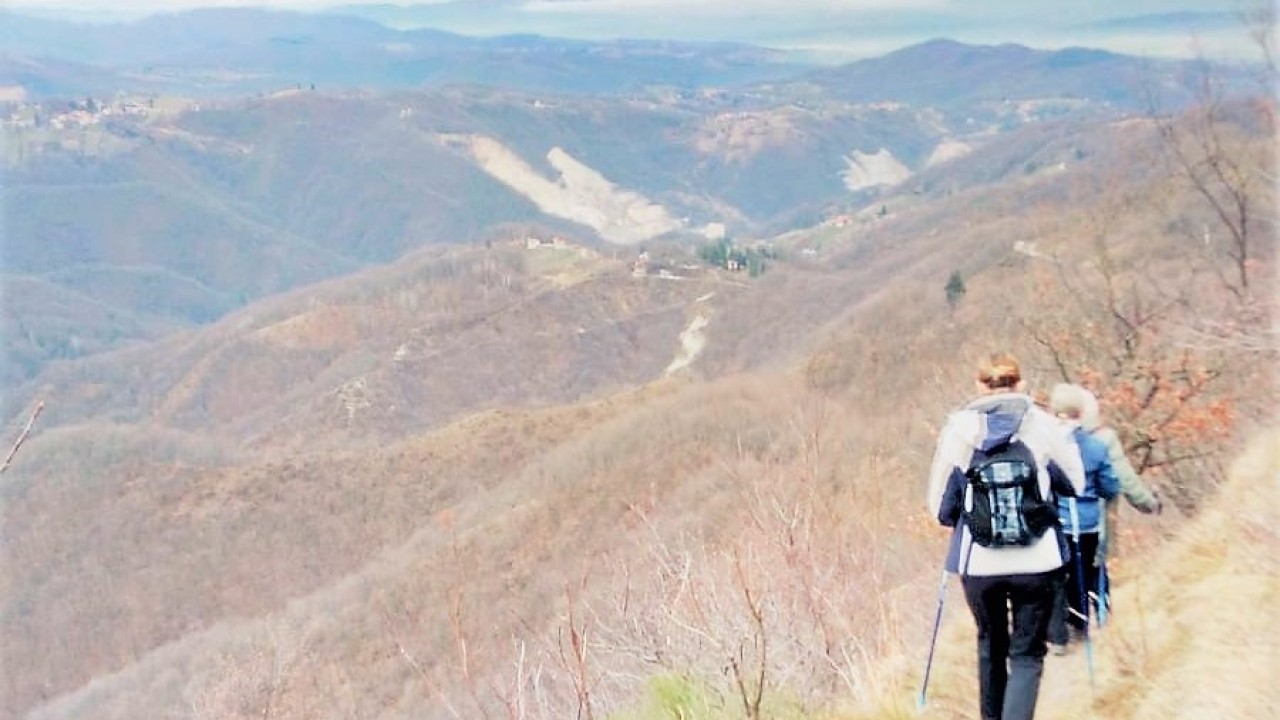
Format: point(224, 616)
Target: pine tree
point(955, 289)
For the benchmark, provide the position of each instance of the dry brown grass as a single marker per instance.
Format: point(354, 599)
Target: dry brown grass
point(784, 480)
point(1196, 635)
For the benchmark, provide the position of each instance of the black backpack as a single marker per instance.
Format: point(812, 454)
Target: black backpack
point(1004, 507)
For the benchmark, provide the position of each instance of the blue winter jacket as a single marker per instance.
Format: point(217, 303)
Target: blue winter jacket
point(1100, 483)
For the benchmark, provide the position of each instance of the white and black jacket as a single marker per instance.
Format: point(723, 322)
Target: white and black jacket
point(985, 423)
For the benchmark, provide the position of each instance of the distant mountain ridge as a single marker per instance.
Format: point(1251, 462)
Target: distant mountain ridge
point(236, 51)
point(945, 73)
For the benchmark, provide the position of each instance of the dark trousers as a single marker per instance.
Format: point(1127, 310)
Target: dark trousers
point(1012, 613)
point(1070, 607)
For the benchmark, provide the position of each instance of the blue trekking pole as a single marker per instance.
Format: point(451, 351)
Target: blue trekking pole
point(1102, 593)
point(933, 643)
point(1102, 597)
point(1084, 594)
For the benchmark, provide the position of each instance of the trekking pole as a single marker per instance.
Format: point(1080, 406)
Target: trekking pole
point(1102, 598)
point(1101, 594)
point(1084, 595)
point(933, 643)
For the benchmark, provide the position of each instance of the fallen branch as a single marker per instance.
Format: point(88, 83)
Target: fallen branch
point(23, 437)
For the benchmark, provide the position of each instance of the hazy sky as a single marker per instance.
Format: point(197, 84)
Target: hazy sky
point(996, 9)
point(849, 28)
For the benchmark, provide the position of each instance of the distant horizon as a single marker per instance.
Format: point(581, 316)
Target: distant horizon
point(822, 31)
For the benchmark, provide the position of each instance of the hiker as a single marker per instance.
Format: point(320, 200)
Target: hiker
point(1009, 578)
point(1135, 492)
point(1081, 518)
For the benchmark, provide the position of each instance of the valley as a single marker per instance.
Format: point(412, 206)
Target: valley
point(607, 390)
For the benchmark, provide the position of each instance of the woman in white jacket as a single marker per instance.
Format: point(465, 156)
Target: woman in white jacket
point(1009, 589)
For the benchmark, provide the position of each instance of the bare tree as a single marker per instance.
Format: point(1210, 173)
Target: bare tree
point(1214, 148)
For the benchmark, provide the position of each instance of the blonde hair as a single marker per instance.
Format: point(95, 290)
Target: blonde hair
point(999, 371)
point(1090, 415)
point(1067, 399)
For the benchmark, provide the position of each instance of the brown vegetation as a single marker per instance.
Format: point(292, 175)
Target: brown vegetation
point(519, 517)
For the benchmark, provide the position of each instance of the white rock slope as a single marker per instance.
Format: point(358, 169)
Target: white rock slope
point(580, 193)
point(866, 171)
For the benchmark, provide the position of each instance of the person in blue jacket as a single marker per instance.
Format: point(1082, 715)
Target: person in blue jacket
point(1010, 590)
point(1081, 518)
point(1139, 495)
